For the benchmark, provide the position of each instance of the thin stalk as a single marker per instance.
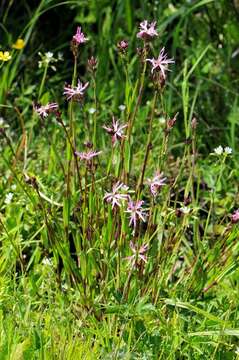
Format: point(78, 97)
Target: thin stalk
point(73, 83)
point(148, 146)
point(212, 198)
point(139, 98)
point(73, 151)
point(95, 113)
point(43, 80)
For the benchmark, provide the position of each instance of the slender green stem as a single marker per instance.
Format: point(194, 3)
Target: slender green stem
point(138, 102)
point(148, 146)
point(95, 113)
point(43, 82)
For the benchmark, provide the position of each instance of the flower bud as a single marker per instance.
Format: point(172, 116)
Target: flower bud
point(122, 46)
point(92, 64)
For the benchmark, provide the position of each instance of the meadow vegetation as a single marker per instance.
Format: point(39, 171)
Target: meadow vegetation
point(119, 179)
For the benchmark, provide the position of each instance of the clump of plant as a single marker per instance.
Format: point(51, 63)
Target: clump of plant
point(133, 221)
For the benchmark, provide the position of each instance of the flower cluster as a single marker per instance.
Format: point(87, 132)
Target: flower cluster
point(48, 59)
point(220, 151)
point(134, 208)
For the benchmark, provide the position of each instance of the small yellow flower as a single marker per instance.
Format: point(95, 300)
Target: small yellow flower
point(5, 56)
point(19, 44)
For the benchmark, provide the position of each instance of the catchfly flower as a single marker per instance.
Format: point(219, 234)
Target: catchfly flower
point(136, 212)
point(75, 93)
point(79, 37)
point(117, 195)
point(156, 183)
point(5, 56)
point(147, 30)
point(116, 130)
point(44, 110)
point(161, 63)
point(88, 155)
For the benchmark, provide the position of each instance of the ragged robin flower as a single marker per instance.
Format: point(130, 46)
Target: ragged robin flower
point(139, 254)
point(147, 30)
point(75, 93)
point(117, 195)
point(79, 37)
point(88, 155)
point(116, 130)
point(5, 56)
point(161, 63)
point(156, 183)
point(44, 110)
point(136, 212)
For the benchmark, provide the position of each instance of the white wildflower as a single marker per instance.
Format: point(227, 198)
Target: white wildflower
point(47, 261)
point(122, 107)
point(8, 198)
point(92, 110)
point(185, 210)
point(227, 150)
point(218, 150)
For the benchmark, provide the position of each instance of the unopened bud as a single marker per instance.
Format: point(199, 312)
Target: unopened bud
point(171, 122)
point(194, 123)
point(92, 64)
point(122, 46)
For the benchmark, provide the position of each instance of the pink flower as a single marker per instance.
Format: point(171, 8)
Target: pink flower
point(116, 131)
point(147, 30)
point(75, 93)
point(156, 183)
point(235, 216)
point(44, 110)
point(161, 63)
point(138, 254)
point(88, 155)
point(136, 212)
point(79, 37)
point(116, 196)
